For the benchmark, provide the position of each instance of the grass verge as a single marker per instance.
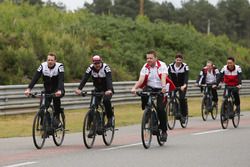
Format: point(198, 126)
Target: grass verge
point(21, 125)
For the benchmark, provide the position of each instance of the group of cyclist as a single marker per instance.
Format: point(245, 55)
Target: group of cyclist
point(155, 76)
point(230, 74)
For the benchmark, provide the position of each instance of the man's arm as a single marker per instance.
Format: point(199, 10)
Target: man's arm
point(61, 78)
point(85, 78)
point(240, 76)
point(199, 78)
point(34, 80)
point(138, 83)
point(220, 76)
point(109, 82)
point(186, 75)
point(35, 77)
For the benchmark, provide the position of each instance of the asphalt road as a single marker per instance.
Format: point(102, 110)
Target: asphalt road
point(201, 144)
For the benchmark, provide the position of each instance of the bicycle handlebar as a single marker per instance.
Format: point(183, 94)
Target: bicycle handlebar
point(231, 87)
point(92, 93)
point(39, 94)
point(210, 85)
point(143, 93)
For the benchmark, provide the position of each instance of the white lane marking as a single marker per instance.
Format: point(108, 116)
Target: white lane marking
point(211, 131)
point(21, 164)
point(123, 146)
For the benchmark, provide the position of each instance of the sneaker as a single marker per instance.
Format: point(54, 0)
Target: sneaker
point(56, 123)
point(164, 136)
point(91, 134)
point(237, 109)
point(183, 120)
point(109, 123)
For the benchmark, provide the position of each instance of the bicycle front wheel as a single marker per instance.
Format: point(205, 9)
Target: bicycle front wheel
point(146, 129)
point(59, 132)
point(108, 134)
point(204, 112)
point(38, 130)
point(236, 119)
point(171, 110)
point(214, 112)
point(224, 115)
point(89, 129)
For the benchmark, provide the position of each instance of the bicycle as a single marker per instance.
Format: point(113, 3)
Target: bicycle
point(207, 105)
point(174, 111)
point(95, 121)
point(44, 122)
point(150, 121)
point(228, 108)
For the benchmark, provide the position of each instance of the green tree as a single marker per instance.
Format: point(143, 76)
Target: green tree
point(99, 6)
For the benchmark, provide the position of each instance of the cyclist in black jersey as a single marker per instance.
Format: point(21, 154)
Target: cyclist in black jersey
point(102, 80)
point(53, 81)
point(178, 73)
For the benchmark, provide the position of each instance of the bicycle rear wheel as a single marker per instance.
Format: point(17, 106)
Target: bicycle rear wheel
point(89, 129)
point(146, 129)
point(204, 112)
point(108, 134)
point(38, 130)
point(214, 112)
point(224, 115)
point(59, 132)
point(236, 119)
point(171, 110)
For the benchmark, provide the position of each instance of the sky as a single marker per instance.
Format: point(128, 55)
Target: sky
point(74, 4)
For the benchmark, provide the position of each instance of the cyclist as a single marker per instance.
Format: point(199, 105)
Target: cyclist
point(153, 77)
point(178, 73)
point(102, 80)
point(53, 81)
point(209, 75)
point(231, 74)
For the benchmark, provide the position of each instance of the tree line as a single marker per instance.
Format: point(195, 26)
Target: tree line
point(28, 32)
point(230, 17)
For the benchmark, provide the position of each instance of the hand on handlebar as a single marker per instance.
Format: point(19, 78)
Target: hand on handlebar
point(238, 86)
point(183, 87)
point(133, 91)
point(108, 93)
point(78, 91)
point(58, 93)
point(27, 92)
point(214, 86)
point(164, 90)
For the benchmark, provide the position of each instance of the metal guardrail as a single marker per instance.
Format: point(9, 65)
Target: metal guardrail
point(13, 100)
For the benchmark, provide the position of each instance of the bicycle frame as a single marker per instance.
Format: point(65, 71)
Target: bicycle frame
point(150, 121)
point(43, 124)
point(228, 96)
point(94, 122)
point(42, 97)
point(207, 92)
point(228, 110)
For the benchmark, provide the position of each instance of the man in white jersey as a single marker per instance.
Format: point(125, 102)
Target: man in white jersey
point(153, 77)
